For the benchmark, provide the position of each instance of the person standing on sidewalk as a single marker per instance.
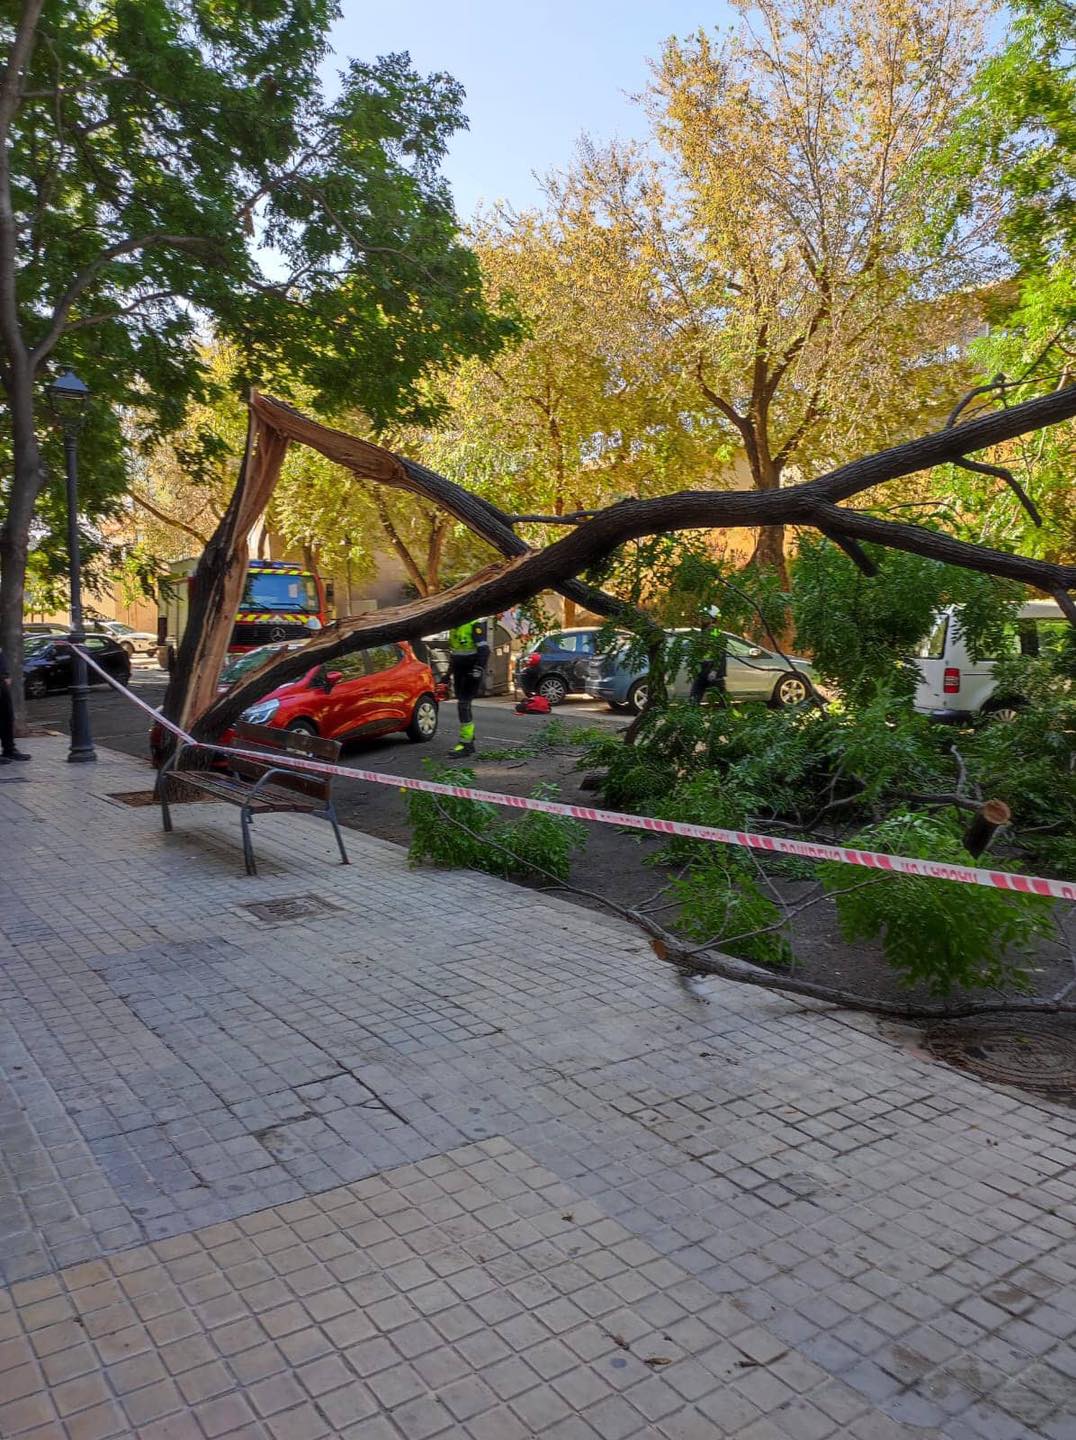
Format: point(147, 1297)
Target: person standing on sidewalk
point(8, 749)
point(469, 650)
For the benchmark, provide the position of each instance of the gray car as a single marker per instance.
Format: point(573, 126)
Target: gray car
point(753, 673)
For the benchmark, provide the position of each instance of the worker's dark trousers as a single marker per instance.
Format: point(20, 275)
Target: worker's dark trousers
point(711, 676)
point(466, 686)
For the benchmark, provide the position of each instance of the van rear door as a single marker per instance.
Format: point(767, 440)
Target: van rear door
point(930, 658)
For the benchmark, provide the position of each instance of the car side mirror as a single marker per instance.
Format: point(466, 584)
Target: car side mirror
point(333, 677)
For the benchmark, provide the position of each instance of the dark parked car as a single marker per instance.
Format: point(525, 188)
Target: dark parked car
point(47, 663)
point(558, 665)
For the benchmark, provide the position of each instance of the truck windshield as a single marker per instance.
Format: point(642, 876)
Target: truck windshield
point(273, 590)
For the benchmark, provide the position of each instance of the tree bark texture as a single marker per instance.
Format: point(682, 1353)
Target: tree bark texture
point(500, 586)
point(217, 584)
point(26, 480)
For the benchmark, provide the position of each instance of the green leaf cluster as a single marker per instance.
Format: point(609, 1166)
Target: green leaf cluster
point(862, 631)
point(934, 933)
point(474, 835)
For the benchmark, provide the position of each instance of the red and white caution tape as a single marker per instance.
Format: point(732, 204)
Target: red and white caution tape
point(774, 844)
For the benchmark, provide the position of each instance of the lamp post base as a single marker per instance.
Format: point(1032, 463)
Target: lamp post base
point(81, 751)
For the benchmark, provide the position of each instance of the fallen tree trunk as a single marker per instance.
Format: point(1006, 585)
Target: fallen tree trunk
point(714, 962)
point(383, 467)
point(501, 586)
point(216, 586)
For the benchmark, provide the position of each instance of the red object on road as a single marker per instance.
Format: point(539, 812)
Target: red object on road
point(533, 705)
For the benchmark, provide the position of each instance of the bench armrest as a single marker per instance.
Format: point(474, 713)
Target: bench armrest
point(268, 775)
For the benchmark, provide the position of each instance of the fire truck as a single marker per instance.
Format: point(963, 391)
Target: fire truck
point(281, 601)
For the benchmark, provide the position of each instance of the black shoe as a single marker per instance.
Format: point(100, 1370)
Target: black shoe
point(15, 755)
point(462, 750)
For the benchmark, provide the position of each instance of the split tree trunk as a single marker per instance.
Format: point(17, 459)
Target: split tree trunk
point(26, 482)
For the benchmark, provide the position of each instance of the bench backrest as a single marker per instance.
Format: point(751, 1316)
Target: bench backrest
point(278, 745)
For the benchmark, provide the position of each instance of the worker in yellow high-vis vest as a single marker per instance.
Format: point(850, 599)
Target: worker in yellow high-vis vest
point(469, 646)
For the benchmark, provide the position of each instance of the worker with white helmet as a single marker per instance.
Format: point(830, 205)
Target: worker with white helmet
point(711, 672)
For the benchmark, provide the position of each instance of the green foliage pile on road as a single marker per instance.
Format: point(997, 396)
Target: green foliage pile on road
point(474, 835)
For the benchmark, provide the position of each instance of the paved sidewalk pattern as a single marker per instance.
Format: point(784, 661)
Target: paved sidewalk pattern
point(428, 1154)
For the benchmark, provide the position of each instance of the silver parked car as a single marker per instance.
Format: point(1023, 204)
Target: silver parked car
point(753, 673)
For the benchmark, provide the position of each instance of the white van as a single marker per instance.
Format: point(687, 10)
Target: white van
point(954, 687)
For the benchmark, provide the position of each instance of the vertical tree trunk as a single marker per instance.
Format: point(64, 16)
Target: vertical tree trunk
point(26, 481)
point(434, 551)
point(769, 551)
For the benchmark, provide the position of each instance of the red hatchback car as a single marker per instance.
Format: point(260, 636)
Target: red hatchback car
point(364, 694)
point(367, 693)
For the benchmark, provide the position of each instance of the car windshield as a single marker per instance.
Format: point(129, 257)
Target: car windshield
point(119, 629)
point(275, 590)
point(240, 665)
point(32, 644)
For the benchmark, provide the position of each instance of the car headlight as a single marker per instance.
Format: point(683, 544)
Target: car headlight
point(260, 713)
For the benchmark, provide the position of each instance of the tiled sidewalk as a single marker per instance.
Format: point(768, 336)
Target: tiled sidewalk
point(446, 1157)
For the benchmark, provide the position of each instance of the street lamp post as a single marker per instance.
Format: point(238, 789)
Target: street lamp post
point(68, 397)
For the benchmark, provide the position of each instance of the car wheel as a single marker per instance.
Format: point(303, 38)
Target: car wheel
point(618, 705)
point(637, 697)
point(127, 646)
point(303, 727)
point(1006, 710)
point(36, 689)
point(553, 689)
point(790, 691)
point(424, 719)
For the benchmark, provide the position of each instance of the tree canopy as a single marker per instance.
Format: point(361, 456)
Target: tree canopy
point(166, 163)
point(777, 244)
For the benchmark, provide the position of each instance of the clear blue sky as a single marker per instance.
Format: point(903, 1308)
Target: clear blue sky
point(537, 74)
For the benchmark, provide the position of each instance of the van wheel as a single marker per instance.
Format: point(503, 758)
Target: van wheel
point(1006, 710)
point(424, 719)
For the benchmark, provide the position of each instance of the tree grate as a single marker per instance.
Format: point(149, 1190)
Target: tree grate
point(292, 907)
point(1037, 1053)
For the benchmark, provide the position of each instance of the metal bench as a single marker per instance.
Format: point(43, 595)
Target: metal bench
point(259, 787)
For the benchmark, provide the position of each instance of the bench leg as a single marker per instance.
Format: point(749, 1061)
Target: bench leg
point(246, 820)
point(330, 814)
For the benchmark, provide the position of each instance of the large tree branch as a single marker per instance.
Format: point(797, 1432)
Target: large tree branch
point(383, 467)
point(86, 322)
point(160, 515)
point(396, 541)
point(18, 58)
point(89, 273)
point(501, 586)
